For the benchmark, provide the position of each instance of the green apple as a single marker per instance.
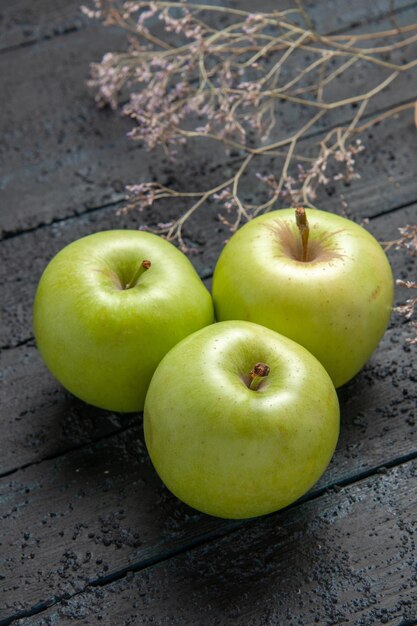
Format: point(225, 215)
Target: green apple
point(109, 307)
point(324, 282)
point(240, 421)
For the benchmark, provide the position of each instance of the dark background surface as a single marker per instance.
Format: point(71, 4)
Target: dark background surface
point(88, 533)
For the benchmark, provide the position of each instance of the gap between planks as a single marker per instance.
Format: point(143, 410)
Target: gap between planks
point(62, 33)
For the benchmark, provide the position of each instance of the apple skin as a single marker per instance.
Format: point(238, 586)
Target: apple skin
point(102, 341)
point(337, 304)
point(231, 451)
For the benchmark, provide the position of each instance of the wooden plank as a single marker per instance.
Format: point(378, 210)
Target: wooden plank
point(23, 258)
point(101, 509)
point(41, 420)
point(52, 140)
point(345, 558)
point(22, 24)
point(61, 156)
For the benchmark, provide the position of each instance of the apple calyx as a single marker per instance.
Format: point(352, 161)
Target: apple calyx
point(143, 266)
point(257, 375)
point(304, 229)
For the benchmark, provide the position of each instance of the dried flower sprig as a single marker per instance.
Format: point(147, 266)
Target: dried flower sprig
point(197, 80)
point(406, 241)
point(183, 77)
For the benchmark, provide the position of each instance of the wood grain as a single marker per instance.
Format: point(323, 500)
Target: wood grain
point(344, 558)
point(101, 509)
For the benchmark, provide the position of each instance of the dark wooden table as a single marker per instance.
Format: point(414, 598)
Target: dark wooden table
point(88, 533)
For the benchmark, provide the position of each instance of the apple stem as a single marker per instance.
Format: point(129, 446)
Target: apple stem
point(143, 266)
point(304, 229)
point(257, 374)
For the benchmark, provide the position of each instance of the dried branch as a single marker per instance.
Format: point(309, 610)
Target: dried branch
point(185, 78)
